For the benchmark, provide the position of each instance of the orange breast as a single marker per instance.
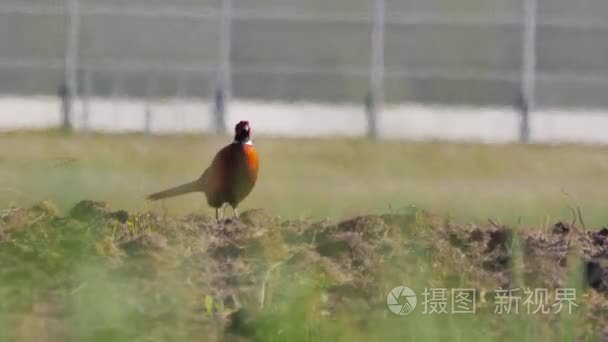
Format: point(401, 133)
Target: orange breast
point(232, 175)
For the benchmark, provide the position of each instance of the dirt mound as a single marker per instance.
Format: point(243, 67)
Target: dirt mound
point(219, 279)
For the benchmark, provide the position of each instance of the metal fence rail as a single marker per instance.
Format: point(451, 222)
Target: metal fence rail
point(83, 74)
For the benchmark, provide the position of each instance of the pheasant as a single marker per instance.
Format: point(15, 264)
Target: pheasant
point(230, 177)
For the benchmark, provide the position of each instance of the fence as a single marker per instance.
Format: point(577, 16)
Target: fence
point(494, 52)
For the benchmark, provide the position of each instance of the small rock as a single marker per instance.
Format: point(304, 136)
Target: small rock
point(476, 235)
point(603, 232)
point(499, 238)
point(561, 228)
point(145, 242)
point(87, 209)
point(121, 216)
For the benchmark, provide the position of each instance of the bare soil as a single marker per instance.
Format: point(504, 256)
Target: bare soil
point(219, 279)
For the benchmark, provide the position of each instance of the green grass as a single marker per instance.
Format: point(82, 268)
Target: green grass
point(314, 177)
point(76, 279)
point(68, 280)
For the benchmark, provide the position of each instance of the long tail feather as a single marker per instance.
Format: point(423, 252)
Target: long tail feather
point(176, 191)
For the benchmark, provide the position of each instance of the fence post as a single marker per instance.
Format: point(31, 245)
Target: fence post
point(86, 98)
point(71, 62)
point(148, 120)
point(375, 100)
point(64, 100)
point(151, 92)
point(528, 83)
point(181, 90)
point(222, 92)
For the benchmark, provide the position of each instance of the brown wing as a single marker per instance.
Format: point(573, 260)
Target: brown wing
point(214, 177)
point(203, 178)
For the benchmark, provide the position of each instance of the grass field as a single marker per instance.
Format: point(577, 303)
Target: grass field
point(314, 178)
point(287, 273)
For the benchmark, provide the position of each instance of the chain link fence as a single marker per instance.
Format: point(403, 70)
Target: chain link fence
point(99, 54)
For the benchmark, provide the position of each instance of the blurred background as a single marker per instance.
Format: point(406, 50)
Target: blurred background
point(482, 70)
